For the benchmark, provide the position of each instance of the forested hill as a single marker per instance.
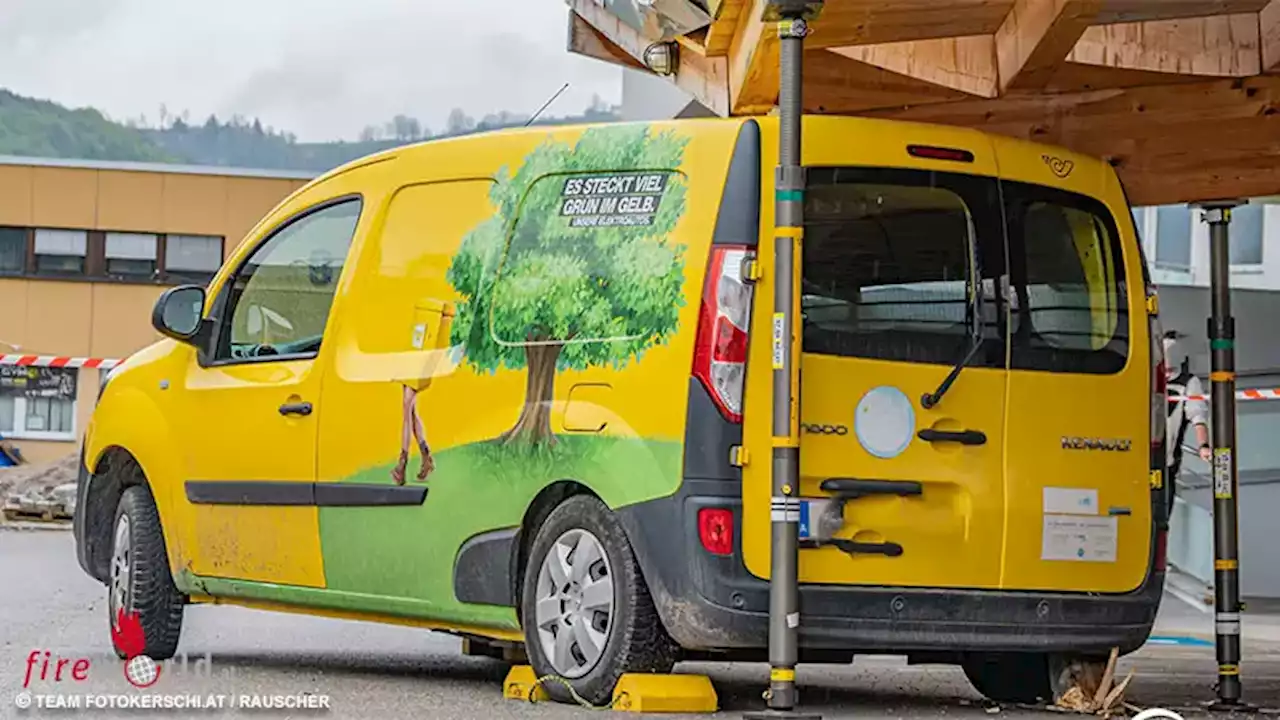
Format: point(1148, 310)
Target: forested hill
point(40, 128)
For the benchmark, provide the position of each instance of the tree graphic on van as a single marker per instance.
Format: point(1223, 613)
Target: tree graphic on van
point(574, 269)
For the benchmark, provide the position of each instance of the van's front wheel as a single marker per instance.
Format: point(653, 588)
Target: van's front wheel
point(587, 614)
point(1011, 677)
point(140, 581)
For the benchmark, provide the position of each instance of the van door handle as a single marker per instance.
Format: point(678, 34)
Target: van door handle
point(298, 408)
point(964, 437)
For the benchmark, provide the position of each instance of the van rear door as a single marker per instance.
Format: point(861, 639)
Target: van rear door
point(896, 293)
point(1077, 485)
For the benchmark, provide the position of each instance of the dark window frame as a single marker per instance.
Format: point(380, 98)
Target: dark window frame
point(24, 251)
point(219, 318)
point(982, 200)
point(95, 266)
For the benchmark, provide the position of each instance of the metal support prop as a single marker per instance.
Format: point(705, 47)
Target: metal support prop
point(1222, 377)
point(792, 18)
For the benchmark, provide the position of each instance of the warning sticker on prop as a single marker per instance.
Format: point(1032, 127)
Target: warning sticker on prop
point(1222, 473)
point(779, 340)
point(622, 199)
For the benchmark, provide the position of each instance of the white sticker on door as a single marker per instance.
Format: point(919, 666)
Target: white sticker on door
point(1078, 538)
point(1070, 501)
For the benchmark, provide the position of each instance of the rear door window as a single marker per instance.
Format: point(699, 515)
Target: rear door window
point(1069, 305)
point(901, 265)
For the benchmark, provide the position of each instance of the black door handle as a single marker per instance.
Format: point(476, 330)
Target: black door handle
point(964, 437)
point(299, 408)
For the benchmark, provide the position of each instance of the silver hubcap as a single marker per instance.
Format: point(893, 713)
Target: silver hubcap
point(121, 568)
point(575, 603)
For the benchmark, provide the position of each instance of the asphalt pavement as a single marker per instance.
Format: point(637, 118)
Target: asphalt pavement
point(47, 604)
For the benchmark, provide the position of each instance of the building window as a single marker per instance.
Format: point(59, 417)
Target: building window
point(192, 258)
point(13, 251)
point(1246, 239)
point(1173, 237)
point(131, 256)
point(38, 403)
point(61, 252)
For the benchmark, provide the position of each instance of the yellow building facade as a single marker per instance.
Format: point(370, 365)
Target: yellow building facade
point(86, 247)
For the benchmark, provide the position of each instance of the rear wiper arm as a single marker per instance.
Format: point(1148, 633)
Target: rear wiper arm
point(930, 400)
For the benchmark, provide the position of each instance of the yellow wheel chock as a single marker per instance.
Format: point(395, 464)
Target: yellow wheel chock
point(635, 692)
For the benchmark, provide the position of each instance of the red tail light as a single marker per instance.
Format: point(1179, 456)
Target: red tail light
point(715, 530)
point(1161, 559)
point(724, 321)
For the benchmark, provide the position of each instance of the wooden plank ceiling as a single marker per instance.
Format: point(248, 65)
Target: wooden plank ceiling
point(1182, 96)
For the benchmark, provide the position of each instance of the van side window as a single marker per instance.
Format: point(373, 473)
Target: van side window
point(891, 267)
point(1069, 306)
point(278, 302)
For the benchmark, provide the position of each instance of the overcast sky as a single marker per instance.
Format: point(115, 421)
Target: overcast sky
point(322, 69)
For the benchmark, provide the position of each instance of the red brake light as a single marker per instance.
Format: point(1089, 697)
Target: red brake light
point(1161, 560)
point(724, 321)
point(938, 153)
point(715, 530)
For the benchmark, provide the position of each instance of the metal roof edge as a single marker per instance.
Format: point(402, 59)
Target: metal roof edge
point(157, 167)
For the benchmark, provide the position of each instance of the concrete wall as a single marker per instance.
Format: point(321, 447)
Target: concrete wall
point(1258, 428)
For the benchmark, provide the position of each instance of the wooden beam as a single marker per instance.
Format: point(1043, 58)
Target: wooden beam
point(753, 63)
point(1269, 26)
point(1126, 11)
point(584, 39)
point(723, 27)
point(1036, 38)
point(873, 22)
point(1172, 143)
point(1221, 46)
point(837, 84)
point(966, 64)
point(705, 78)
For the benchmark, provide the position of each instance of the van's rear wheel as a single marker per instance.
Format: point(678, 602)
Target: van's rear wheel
point(1011, 677)
point(587, 614)
point(140, 580)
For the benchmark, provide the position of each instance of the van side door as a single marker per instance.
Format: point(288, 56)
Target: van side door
point(251, 405)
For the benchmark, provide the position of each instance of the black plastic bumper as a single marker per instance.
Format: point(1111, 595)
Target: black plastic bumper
point(712, 602)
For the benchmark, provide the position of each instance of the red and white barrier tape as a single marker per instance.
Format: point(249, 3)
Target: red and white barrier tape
point(58, 362)
point(1269, 394)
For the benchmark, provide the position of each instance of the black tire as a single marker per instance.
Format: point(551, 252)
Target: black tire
point(149, 589)
point(637, 642)
point(1011, 677)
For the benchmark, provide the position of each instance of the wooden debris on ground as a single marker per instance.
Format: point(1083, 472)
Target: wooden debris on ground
point(1092, 693)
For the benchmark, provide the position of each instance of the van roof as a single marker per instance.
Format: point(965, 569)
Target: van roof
point(1008, 141)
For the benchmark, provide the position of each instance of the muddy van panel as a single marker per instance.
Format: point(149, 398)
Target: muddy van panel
point(711, 602)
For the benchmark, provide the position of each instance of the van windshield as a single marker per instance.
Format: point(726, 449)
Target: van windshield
point(891, 262)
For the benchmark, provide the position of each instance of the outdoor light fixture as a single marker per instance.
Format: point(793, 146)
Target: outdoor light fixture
point(662, 57)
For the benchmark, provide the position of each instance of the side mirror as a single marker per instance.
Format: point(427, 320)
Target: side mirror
point(179, 313)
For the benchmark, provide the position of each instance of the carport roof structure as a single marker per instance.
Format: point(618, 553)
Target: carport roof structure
point(1182, 96)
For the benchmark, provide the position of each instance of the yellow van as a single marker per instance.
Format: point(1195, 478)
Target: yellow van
point(516, 386)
